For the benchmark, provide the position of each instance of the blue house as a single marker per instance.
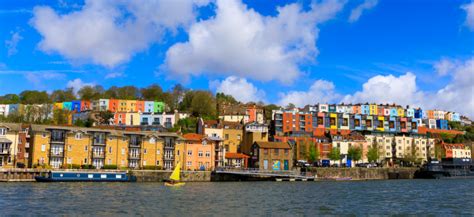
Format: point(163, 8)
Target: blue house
point(358, 122)
point(419, 113)
point(393, 112)
point(392, 124)
point(67, 106)
point(76, 105)
point(414, 125)
point(442, 124)
point(365, 109)
point(13, 108)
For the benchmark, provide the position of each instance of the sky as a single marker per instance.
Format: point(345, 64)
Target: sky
point(409, 52)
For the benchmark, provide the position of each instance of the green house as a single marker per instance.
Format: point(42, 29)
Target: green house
point(158, 107)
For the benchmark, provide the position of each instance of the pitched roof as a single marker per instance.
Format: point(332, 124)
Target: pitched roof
point(282, 145)
point(192, 137)
point(235, 155)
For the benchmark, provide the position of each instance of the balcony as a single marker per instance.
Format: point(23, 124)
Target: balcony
point(98, 142)
point(169, 157)
point(57, 154)
point(144, 123)
point(4, 151)
point(134, 143)
point(155, 123)
point(27, 145)
point(98, 154)
point(169, 147)
point(57, 139)
point(134, 157)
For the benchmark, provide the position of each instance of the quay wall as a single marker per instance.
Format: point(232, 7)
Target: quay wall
point(365, 173)
point(161, 175)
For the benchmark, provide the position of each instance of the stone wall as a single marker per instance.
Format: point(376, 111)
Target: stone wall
point(160, 175)
point(365, 173)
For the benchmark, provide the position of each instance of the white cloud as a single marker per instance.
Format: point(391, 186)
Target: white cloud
point(388, 89)
point(77, 84)
point(320, 91)
point(241, 89)
point(469, 8)
point(114, 75)
point(456, 96)
point(357, 12)
point(13, 42)
point(444, 66)
point(38, 79)
point(241, 42)
point(109, 32)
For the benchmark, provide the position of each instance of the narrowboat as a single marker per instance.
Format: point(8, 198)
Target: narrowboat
point(446, 168)
point(85, 176)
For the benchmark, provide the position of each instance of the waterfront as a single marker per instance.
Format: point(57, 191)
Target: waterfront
point(438, 197)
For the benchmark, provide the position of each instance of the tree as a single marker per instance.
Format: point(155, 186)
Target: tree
point(34, 97)
point(91, 92)
point(203, 105)
point(335, 154)
point(303, 150)
point(354, 153)
point(268, 110)
point(103, 117)
point(313, 153)
point(61, 116)
point(128, 92)
point(9, 99)
point(152, 93)
point(62, 95)
point(186, 125)
point(373, 152)
point(290, 106)
point(223, 98)
point(185, 104)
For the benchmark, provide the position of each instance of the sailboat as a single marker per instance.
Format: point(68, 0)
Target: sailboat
point(175, 177)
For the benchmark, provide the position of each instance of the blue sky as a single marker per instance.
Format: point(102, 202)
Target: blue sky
point(326, 57)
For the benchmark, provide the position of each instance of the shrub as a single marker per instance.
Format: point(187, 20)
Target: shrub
point(110, 167)
point(87, 166)
point(151, 167)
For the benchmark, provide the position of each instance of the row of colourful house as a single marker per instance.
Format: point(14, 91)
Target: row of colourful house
point(113, 105)
point(296, 120)
point(383, 110)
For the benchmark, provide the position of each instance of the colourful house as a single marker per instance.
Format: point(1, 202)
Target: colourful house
point(400, 112)
point(410, 113)
point(393, 111)
point(380, 123)
point(122, 105)
point(86, 105)
point(140, 106)
point(392, 124)
point(419, 113)
point(149, 106)
point(414, 125)
point(158, 107)
point(358, 122)
point(58, 105)
point(332, 108)
point(67, 106)
point(403, 125)
point(76, 105)
point(373, 109)
point(132, 118)
point(356, 109)
point(369, 123)
point(320, 120)
point(386, 111)
point(120, 118)
point(430, 114)
point(333, 121)
point(199, 153)
point(104, 104)
point(365, 109)
point(380, 110)
point(130, 105)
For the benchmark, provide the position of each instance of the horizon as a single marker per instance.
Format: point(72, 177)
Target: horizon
point(331, 51)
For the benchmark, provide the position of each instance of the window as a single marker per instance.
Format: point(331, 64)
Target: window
point(144, 151)
point(144, 163)
point(276, 151)
point(152, 140)
point(69, 148)
point(208, 154)
point(190, 153)
point(265, 151)
point(85, 148)
point(122, 163)
point(158, 152)
point(238, 136)
point(199, 153)
point(78, 136)
point(157, 162)
point(189, 163)
point(123, 151)
point(85, 160)
point(43, 135)
point(177, 153)
point(226, 136)
point(69, 160)
point(110, 149)
point(3, 131)
point(43, 147)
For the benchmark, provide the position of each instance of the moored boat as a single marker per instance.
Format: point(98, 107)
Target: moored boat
point(446, 168)
point(85, 176)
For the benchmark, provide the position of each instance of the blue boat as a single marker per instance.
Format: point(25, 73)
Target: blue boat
point(85, 176)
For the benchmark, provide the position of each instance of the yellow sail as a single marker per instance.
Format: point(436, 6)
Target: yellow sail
point(176, 172)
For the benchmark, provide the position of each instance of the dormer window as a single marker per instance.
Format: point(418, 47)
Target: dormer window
point(3, 131)
point(78, 136)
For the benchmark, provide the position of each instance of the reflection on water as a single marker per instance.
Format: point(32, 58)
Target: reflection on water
point(439, 197)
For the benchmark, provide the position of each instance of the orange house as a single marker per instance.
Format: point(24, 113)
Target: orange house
point(113, 105)
point(198, 152)
point(85, 105)
point(430, 114)
point(140, 106)
point(120, 118)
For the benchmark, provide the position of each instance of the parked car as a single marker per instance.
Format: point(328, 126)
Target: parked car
point(365, 165)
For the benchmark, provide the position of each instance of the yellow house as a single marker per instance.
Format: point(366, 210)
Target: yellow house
point(122, 105)
point(401, 112)
point(132, 118)
point(58, 105)
point(9, 137)
point(152, 149)
point(131, 105)
point(333, 121)
point(373, 109)
point(77, 150)
point(232, 133)
point(380, 127)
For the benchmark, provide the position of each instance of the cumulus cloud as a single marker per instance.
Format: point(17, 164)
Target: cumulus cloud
point(77, 84)
point(456, 96)
point(239, 41)
point(357, 12)
point(320, 91)
point(114, 75)
point(13, 42)
point(469, 8)
point(241, 89)
point(109, 32)
point(444, 66)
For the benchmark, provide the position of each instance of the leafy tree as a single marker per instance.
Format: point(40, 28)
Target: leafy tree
point(354, 153)
point(303, 150)
point(10, 99)
point(268, 110)
point(185, 104)
point(128, 92)
point(61, 116)
point(34, 97)
point(290, 106)
point(203, 104)
point(373, 152)
point(186, 125)
point(153, 93)
point(335, 154)
point(62, 95)
point(91, 92)
point(223, 98)
point(313, 153)
point(103, 117)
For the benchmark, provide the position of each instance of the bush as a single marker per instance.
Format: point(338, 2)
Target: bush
point(110, 167)
point(87, 166)
point(151, 167)
point(74, 166)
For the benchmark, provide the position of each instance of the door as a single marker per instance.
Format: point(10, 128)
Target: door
point(265, 164)
point(285, 164)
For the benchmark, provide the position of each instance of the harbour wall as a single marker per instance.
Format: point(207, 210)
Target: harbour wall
point(364, 173)
point(160, 175)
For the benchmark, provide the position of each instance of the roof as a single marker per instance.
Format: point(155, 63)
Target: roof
point(11, 126)
point(5, 140)
point(192, 137)
point(235, 155)
point(281, 145)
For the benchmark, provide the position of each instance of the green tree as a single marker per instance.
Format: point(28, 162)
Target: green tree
point(354, 153)
point(303, 150)
point(62, 95)
point(313, 153)
point(152, 93)
point(61, 116)
point(373, 152)
point(9, 99)
point(203, 105)
point(223, 98)
point(186, 125)
point(268, 110)
point(103, 117)
point(335, 154)
point(34, 97)
point(128, 92)
point(91, 92)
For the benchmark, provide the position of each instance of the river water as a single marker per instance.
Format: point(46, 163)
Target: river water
point(416, 197)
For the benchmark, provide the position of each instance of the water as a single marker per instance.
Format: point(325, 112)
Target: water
point(438, 197)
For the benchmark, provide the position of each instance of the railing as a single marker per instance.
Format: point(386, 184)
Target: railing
point(57, 139)
point(169, 157)
point(134, 157)
point(57, 154)
point(255, 171)
point(134, 143)
point(99, 142)
point(27, 145)
point(98, 154)
point(4, 151)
